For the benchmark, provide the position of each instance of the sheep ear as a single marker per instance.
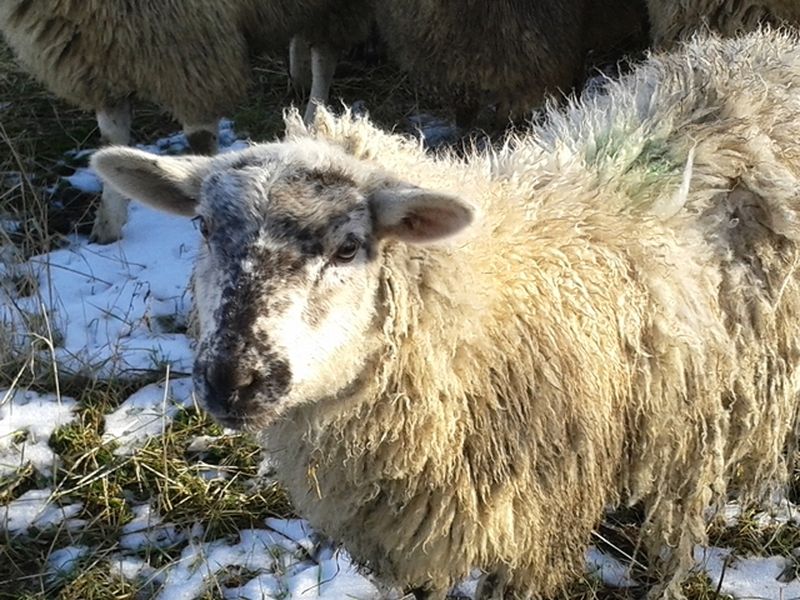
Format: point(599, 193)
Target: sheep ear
point(419, 216)
point(168, 183)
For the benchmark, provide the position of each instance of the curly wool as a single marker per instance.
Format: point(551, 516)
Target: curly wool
point(620, 327)
point(673, 20)
point(189, 57)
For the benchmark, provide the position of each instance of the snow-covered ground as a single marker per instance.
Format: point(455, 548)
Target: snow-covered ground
point(117, 310)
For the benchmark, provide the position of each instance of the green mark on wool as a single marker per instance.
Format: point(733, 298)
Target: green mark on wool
point(652, 172)
point(607, 146)
point(655, 160)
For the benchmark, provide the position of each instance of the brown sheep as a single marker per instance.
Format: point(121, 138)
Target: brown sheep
point(673, 20)
point(514, 53)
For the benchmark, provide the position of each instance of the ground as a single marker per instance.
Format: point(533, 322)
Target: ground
point(113, 483)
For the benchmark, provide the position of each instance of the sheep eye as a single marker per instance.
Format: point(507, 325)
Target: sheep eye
point(348, 250)
point(201, 224)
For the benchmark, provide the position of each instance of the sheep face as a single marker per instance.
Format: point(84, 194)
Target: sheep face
point(287, 281)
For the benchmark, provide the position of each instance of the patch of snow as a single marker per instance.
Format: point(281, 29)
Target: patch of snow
point(63, 561)
point(274, 557)
point(335, 577)
point(752, 578)
point(85, 180)
point(296, 530)
point(258, 588)
point(780, 512)
point(201, 564)
point(27, 420)
point(146, 413)
point(610, 570)
point(130, 567)
point(34, 509)
point(146, 530)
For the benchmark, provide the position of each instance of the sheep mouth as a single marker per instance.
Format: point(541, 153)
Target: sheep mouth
point(246, 423)
point(233, 413)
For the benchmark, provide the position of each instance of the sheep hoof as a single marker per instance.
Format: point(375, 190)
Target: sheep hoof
point(103, 235)
point(105, 230)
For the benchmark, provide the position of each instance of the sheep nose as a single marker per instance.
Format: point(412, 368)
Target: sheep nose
point(223, 380)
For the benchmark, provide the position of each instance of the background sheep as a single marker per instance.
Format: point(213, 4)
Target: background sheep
point(190, 58)
point(672, 20)
point(615, 322)
point(512, 53)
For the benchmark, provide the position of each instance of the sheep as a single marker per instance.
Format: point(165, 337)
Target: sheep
point(510, 53)
point(673, 20)
point(190, 58)
point(459, 363)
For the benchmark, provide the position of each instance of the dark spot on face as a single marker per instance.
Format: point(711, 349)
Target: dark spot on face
point(325, 178)
point(308, 239)
point(244, 162)
point(279, 377)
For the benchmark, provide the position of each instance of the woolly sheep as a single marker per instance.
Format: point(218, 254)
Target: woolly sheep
point(672, 20)
point(512, 53)
point(461, 363)
point(191, 58)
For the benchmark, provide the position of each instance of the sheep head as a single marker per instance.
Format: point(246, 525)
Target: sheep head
point(288, 274)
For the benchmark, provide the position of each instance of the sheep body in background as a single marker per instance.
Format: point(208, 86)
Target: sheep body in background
point(510, 53)
point(460, 363)
point(673, 20)
point(191, 58)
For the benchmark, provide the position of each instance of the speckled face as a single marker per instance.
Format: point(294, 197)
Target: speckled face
point(284, 286)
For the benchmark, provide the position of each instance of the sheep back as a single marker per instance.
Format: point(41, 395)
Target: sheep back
point(189, 57)
point(673, 20)
point(337, 24)
point(513, 53)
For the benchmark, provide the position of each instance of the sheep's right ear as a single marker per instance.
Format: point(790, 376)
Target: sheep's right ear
point(168, 183)
point(419, 216)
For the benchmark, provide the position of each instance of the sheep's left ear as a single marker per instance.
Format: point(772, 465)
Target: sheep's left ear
point(418, 215)
point(168, 183)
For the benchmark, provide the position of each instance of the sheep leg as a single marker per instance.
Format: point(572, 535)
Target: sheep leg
point(202, 138)
point(492, 586)
point(504, 115)
point(115, 128)
point(467, 113)
point(300, 65)
point(323, 66)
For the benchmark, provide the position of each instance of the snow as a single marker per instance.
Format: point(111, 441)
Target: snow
point(610, 571)
point(286, 570)
point(85, 180)
point(130, 567)
point(751, 578)
point(147, 530)
point(146, 413)
point(63, 561)
point(118, 310)
point(27, 420)
point(35, 509)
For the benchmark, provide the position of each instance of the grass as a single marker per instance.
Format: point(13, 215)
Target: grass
point(36, 130)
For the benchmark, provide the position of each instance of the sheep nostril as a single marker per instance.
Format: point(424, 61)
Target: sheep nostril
point(219, 382)
point(243, 378)
point(223, 380)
